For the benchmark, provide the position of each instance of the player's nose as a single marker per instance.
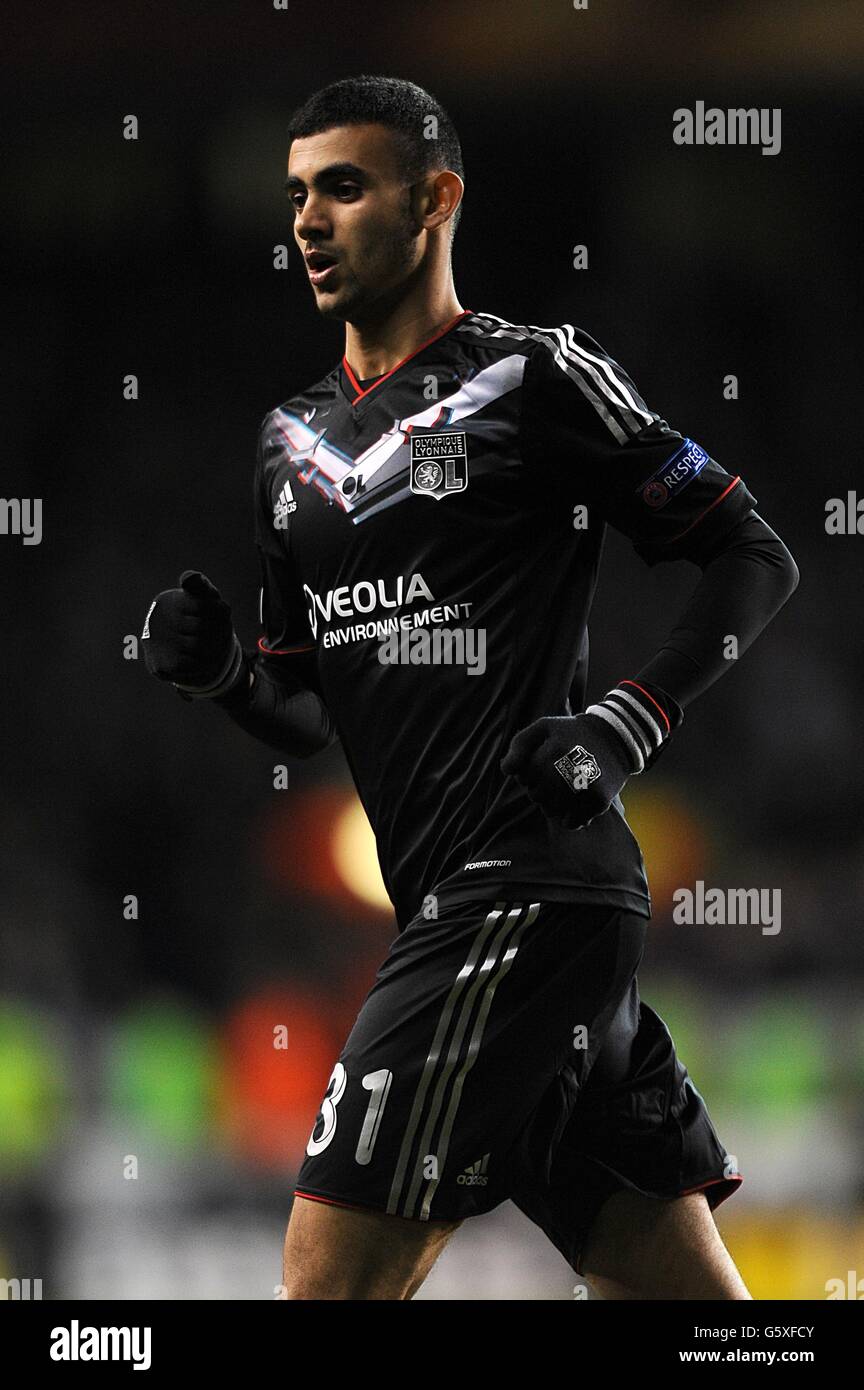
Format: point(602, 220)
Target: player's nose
point(311, 223)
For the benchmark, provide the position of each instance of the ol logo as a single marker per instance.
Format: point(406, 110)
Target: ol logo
point(578, 768)
point(439, 463)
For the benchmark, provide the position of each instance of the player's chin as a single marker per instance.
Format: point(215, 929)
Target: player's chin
point(332, 304)
point(324, 294)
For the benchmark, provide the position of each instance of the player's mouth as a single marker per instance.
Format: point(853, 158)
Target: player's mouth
point(321, 267)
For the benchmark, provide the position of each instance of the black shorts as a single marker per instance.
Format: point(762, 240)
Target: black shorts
point(504, 1052)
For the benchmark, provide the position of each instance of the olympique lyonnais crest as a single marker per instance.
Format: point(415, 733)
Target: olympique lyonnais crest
point(439, 463)
point(578, 768)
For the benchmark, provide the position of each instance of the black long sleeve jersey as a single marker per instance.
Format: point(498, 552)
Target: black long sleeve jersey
point(467, 491)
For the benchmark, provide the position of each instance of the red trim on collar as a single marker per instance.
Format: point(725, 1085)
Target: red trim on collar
point(355, 383)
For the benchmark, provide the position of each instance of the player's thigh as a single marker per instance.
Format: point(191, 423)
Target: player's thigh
point(638, 1139)
point(642, 1247)
point(334, 1252)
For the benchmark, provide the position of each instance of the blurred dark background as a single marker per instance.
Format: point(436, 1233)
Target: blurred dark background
point(149, 1038)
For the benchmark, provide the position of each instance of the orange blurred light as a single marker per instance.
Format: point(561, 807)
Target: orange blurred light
point(674, 844)
point(278, 1051)
point(296, 840)
point(320, 841)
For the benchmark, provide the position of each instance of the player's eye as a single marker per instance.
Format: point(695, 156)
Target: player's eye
point(345, 191)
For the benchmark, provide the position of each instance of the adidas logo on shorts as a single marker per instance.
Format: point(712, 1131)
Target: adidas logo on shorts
point(475, 1174)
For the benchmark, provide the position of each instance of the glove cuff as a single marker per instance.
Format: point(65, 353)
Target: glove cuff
point(234, 668)
point(643, 716)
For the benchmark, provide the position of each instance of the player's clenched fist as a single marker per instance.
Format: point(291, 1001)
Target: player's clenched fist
point(189, 638)
point(574, 766)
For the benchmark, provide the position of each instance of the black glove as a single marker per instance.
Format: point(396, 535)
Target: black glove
point(574, 766)
point(189, 639)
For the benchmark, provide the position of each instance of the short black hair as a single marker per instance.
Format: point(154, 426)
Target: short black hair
point(402, 107)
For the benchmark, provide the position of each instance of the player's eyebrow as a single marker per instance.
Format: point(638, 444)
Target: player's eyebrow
point(327, 175)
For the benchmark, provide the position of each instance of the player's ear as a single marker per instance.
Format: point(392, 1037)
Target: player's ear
point(436, 198)
point(448, 189)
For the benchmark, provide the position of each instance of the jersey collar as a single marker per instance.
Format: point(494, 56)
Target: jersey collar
point(354, 392)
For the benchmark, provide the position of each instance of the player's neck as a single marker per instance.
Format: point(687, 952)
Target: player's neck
point(373, 348)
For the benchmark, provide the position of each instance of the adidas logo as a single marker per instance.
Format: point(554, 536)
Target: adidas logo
point(284, 504)
point(475, 1174)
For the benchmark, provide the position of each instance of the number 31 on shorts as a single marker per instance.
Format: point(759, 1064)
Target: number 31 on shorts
point(378, 1082)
